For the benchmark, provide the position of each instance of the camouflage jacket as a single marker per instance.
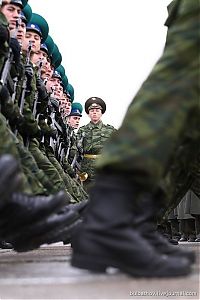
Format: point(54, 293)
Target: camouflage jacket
point(93, 138)
point(4, 47)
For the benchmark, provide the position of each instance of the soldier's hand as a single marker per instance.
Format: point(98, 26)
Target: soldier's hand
point(79, 146)
point(4, 94)
point(42, 91)
point(16, 50)
point(29, 72)
point(20, 120)
point(4, 34)
point(53, 132)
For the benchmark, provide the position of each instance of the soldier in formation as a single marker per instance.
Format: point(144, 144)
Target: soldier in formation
point(93, 135)
point(44, 203)
point(139, 173)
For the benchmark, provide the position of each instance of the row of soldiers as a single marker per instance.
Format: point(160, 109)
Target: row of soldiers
point(144, 172)
point(39, 152)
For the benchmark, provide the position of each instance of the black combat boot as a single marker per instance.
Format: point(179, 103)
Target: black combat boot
point(80, 208)
point(23, 209)
point(108, 238)
point(5, 245)
point(50, 229)
point(190, 223)
point(10, 178)
point(183, 231)
point(175, 229)
point(197, 227)
point(146, 224)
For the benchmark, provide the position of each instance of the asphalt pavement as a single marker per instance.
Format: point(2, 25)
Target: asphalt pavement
point(46, 274)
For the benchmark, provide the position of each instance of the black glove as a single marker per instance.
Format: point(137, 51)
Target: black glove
point(29, 75)
point(28, 72)
point(16, 49)
point(42, 91)
point(54, 102)
point(4, 34)
point(54, 132)
point(4, 94)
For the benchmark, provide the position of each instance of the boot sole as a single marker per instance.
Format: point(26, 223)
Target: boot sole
point(46, 234)
point(100, 266)
point(46, 239)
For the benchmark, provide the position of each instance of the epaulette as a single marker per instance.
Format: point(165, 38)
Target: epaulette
point(110, 126)
point(82, 127)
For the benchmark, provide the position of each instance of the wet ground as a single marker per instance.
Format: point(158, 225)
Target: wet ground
point(46, 274)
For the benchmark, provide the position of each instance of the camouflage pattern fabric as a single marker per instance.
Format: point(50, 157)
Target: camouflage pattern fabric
point(165, 113)
point(8, 146)
point(47, 167)
point(95, 136)
point(37, 177)
point(73, 189)
point(3, 47)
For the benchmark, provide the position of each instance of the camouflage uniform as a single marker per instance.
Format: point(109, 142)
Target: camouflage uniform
point(7, 138)
point(25, 125)
point(5, 46)
point(95, 136)
point(156, 123)
point(72, 187)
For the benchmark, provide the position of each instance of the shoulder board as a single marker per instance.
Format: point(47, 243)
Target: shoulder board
point(110, 126)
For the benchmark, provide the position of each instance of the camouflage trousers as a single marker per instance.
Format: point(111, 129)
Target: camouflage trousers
point(8, 143)
point(38, 180)
point(46, 166)
point(164, 116)
point(76, 191)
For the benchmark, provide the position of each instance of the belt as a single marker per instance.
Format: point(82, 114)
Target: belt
point(91, 155)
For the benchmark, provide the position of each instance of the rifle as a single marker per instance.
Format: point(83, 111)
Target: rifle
point(76, 166)
point(6, 68)
point(79, 151)
point(64, 147)
point(54, 143)
point(35, 102)
point(24, 84)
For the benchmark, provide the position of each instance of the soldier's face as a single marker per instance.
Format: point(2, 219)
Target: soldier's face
point(34, 38)
point(21, 32)
point(95, 114)
point(53, 81)
point(74, 121)
point(68, 107)
point(12, 13)
point(47, 71)
point(37, 58)
point(58, 92)
point(50, 86)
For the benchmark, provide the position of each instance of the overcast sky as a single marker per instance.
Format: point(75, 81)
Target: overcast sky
point(108, 47)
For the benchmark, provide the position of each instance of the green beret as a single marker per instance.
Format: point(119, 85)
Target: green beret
point(50, 44)
point(58, 60)
point(70, 90)
point(65, 82)
point(27, 11)
point(60, 69)
point(56, 57)
point(95, 102)
point(24, 2)
point(39, 24)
